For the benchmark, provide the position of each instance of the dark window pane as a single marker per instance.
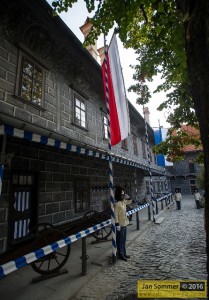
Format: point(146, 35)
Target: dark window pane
point(82, 195)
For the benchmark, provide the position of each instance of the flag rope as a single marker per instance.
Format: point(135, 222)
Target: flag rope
point(150, 170)
point(112, 199)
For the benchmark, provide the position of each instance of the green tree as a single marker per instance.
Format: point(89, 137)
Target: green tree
point(170, 38)
point(200, 178)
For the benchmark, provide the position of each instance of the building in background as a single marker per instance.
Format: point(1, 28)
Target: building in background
point(183, 172)
point(53, 127)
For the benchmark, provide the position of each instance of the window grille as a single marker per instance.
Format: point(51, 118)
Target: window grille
point(82, 195)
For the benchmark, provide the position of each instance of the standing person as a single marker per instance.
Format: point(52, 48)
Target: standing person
point(178, 198)
point(197, 198)
point(121, 221)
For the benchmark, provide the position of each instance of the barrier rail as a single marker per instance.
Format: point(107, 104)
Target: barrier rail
point(166, 197)
point(25, 260)
point(39, 253)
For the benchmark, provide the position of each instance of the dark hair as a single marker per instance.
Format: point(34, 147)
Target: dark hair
point(195, 190)
point(177, 191)
point(118, 193)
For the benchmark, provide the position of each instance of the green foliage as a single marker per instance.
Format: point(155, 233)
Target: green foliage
point(154, 28)
point(200, 179)
point(176, 141)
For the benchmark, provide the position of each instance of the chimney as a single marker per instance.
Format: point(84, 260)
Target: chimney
point(85, 29)
point(146, 114)
point(101, 54)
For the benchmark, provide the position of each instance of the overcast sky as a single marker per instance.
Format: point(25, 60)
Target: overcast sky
point(75, 18)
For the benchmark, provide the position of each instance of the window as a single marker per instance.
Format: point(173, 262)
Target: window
point(147, 187)
point(191, 166)
point(128, 188)
point(150, 156)
point(159, 186)
point(30, 85)
point(124, 144)
point(79, 111)
point(135, 145)
point(105, 127)
point(82, 195)
point(155, 158)
point(144, 152)
point(22, 206)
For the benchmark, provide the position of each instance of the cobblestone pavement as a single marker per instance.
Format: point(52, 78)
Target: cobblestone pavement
point(175, 249)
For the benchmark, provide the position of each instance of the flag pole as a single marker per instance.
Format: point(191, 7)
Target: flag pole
point(112, 199)
point(149, 163)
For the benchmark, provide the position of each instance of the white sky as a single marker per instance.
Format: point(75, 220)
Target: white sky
point(75, 18)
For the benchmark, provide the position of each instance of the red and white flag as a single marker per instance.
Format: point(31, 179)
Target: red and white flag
point(118, 104)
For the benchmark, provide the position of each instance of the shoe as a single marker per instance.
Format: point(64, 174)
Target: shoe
point(127, 256)
point(122, 258)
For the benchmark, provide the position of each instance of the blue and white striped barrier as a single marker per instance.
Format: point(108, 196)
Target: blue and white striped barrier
point(130, 212)
point(102, 154)
point(163, 197)
point(39, 253)
point(25, 260)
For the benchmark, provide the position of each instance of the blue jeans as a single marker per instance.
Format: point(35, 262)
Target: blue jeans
point(178, 204)
point(197, 204)
point(121, 241)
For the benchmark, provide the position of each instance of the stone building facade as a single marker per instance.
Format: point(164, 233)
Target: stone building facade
point(53, 127)
point(184, 173)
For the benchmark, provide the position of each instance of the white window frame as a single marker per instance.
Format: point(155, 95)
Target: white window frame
point(18, 87)
point(105, 127)
point(80, 111)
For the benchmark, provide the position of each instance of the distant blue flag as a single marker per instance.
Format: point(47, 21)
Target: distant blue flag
point(158, 140)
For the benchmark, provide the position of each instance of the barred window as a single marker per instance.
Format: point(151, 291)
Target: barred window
point(82, 195)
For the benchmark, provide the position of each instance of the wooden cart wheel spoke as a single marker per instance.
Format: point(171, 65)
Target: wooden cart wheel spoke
point(54, 261)
point(60, 253)
point(103, 233)
point(49, 264)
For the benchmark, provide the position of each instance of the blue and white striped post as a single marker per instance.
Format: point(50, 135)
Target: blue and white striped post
point(112, 199)
point(149, 163)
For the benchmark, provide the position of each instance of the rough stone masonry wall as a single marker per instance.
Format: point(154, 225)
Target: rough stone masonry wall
point(57, 115)
point(57, 170)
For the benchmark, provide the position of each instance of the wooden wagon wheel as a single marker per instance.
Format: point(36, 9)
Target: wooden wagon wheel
point(41, 227)
point(97, 218)
point(54, 261)
point(90, 215)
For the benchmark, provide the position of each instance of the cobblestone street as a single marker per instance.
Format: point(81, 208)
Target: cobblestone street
point(175, 249)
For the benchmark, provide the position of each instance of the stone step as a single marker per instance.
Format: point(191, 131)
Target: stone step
point(159, 220)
